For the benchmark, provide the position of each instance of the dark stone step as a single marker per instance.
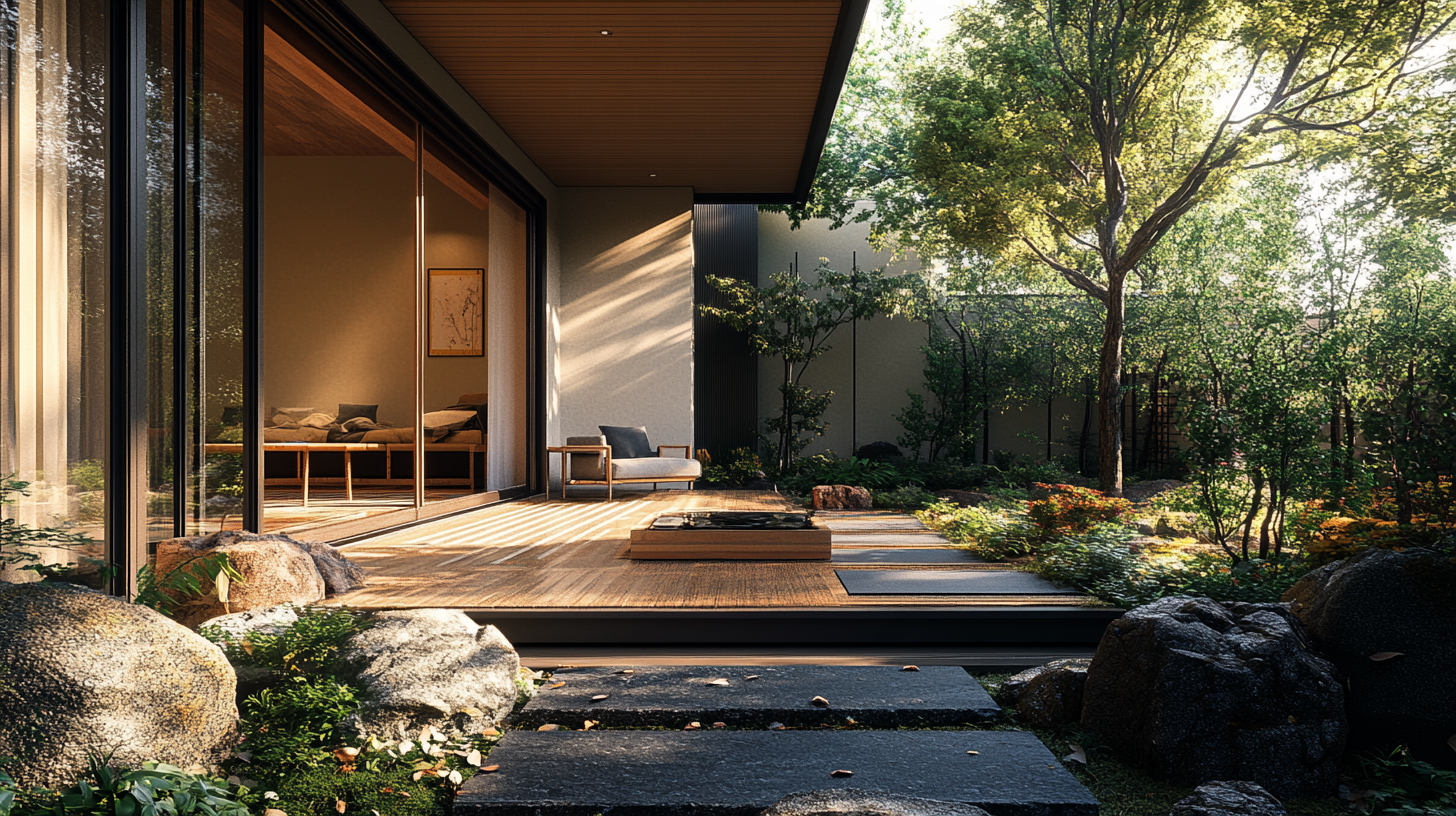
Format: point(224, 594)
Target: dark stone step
point(673, 696)
point(740, 773)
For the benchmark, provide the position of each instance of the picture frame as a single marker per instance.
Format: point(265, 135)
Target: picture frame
point(455, 312)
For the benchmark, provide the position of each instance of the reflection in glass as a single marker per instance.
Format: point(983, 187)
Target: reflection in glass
point(53, 271)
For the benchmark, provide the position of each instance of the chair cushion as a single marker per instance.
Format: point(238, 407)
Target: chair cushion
point(667, 469)
point(627, 443)
point(588, 466)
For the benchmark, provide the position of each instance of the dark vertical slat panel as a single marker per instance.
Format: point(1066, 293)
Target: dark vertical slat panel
point(126, 520)
point(181, 280)
point(725, 371)
point(253, 265)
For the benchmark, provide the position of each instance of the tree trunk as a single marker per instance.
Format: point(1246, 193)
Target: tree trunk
point(1109, 392)
point(1086, 426)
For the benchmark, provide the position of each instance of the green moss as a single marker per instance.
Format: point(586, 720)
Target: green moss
point(317, 792)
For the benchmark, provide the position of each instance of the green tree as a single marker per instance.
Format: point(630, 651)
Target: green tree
point(793, 320)
point(1408, 153)
point(1077, 133)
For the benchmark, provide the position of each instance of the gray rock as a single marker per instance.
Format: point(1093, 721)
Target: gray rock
point(84, 674)
point(842, 497)
point(1196, 691)
point(1054, 696)
point(431, 667)
point(879, 452)
point(275, 570)
point(339, 573)
point(964, 498)
point(866, 803)
point(1011, 688)
point(1386, 601)
point(1144, 491)
point(1228, 799)
point(270, 620)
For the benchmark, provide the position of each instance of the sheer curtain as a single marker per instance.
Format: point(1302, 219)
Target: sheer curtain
point(506, 321)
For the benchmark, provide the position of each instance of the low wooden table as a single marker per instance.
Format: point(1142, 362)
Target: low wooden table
point(810, 544)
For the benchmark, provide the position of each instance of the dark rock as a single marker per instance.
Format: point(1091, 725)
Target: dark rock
point(1386, 601)
point(1229, 799)
point(89, 675)
point(721, 771)
point(879, 452)
point(1011, 688)
point(964, 498)
point(866, 803)
point(1145, 491)
point(1052, 694)
point(1196, 691)
point(842, 497)
point(339, 573)
point(431, 667)
point(671, 696)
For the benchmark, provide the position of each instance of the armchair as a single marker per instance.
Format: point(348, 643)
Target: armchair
point(589, 460)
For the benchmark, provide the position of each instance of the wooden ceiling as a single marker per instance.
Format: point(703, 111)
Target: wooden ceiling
point(718, 95)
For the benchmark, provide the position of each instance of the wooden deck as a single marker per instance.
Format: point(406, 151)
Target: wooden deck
point(572, 555)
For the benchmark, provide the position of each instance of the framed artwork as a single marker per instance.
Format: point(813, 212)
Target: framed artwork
point(456, 313)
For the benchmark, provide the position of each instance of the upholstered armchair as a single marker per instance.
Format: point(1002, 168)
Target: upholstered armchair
point(622, 455)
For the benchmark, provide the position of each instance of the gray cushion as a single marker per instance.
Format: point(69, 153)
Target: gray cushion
point(627, 443)
point(589, 466)
point(667, 469)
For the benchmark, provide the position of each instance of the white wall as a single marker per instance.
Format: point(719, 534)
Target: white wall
point(626, 311)
point(890, 358)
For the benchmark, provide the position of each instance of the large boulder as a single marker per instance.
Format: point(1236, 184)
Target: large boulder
point(851, 802)
point(340, 575)
point(842, 497)
point(1050, 695)
point(1388, 621)
point(275, 570)
point(84, 674)
point(1228, 799)
point(431, 667)
point(237, 629)
point(1197, 690)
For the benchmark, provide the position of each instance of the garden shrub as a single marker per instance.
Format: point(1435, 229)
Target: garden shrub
point(739, 467)
point(312, 645)
point(1074, 509)
point(155, 789)
point(1024, 474)
point(909, 497)
point(1342, 537)
point(986, 532)
point(825, 469)
point(1398, 784)
point(295, 724)
point(316, 792)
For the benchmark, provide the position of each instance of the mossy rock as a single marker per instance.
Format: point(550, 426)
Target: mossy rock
point(317, 792)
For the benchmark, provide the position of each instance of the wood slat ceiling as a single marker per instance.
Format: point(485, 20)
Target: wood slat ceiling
point(717, 95)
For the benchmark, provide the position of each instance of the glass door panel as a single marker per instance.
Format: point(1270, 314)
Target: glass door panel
point(508, 329)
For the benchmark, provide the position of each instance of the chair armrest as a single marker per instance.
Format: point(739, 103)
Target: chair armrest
point(580, 449)
point(687, 450)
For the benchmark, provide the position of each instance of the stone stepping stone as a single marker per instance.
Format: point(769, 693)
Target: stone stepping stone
point(905, 555)
point(887, 523)
point(895, 539)
point(712, 772)
point(673, 696)
point(947, 582)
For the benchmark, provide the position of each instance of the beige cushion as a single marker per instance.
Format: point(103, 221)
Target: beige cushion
point(589, 466)
point(667, 469)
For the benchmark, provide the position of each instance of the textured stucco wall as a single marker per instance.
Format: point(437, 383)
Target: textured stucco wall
point(626, 311)
point(890, 358)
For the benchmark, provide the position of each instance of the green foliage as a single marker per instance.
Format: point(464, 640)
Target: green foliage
point(828, 470)
point(1398, 784)
point(1074, 509)
point(313, 645)
point(21, 544)
point(793, 319)
point(988, 533)
point(909, 497)
point(155, 789)
point(295, 724)
point(88, 475)
point(315, 792)
point(205, 575)
point(739, 467)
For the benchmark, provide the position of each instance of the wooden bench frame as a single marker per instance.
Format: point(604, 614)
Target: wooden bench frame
point(303, 450)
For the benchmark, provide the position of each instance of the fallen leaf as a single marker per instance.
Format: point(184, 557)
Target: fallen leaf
point(472, 758)
point(346, 754)
point(588, 725)
point(375, 812)
point(222, 584)
point(405, 794)
point(974, 753)
point(625, 671)
point(472, 711)
point(558, 684)
point(443, 772)
point(405, 747)
point(600, 697)
point(719, 682)
point(819, 701)
point(1379, 656)
point(340, 806)
point(850, 721)
point(1077, 755)
point(490, 769)
point(549, 727)
point(244, 756)
point(910, 668)
point(269, 795)
point(455, 778)
point(751, 676)
point(274, 812)
point(841, 774)
point(415, 777)
point(720, 725)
